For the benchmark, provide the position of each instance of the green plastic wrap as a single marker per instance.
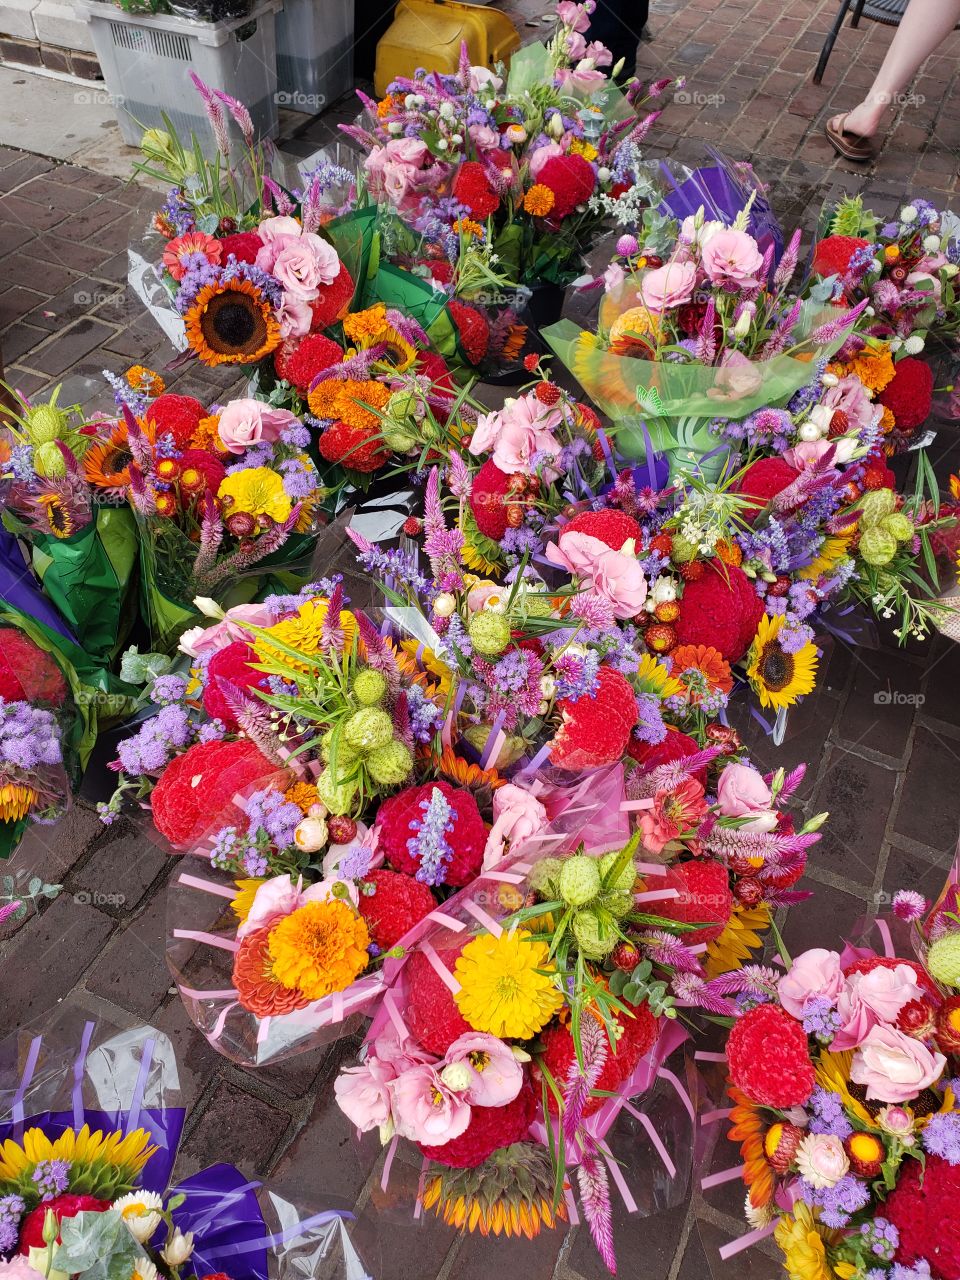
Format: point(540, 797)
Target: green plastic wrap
point(354, 236)
point(415, 297)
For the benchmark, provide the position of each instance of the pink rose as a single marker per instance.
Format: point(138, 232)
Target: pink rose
point(244, 423)
point(541, 155)
point(894, 1067)
point(230, 628)
point(732, 257)
point(583, 78)
point(668, 286)
point(871, 998)
point(616, 576)
point(495, 1075)
point(304, 264)
point(279, 896)
point(813, 975)
point(425, 1109)
point(516, 815)
point(736, 378)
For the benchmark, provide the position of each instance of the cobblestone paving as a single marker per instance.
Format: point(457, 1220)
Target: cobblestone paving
point(882, 735)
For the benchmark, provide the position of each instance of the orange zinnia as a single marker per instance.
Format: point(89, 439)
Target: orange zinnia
point(706, 659)
point(253, 977)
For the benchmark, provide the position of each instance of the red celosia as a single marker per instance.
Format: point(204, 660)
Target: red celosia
point(832, 255)
point(595, 730)
point(244, 245)
point(472, 188)
point(490, 1128)
point(703, 890)
point(431, 1013)
point(609, 526)
point(572, 181)
point(488, 500)
point(27, 673)
point(359, 448)
point(764, 479)
point(720, 609)
point(232, 665)
point(299, 362)
point(467, 838)
point(909, 396)
point(768, 1058)
point(196, 790)
point(396, 905)
point(923, 1208)
point(178, 415)
point(333, 301)
point(66, 1206)
point(473, 329)
point(634, 1039)
point(433, 366)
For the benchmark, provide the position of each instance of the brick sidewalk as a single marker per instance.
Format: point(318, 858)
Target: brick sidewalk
point(882, 736)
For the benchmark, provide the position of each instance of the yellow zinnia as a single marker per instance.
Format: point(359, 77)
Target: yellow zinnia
point(507, 985)
point(777, 677)
point(258, 491)
point(803, 1242)
point(319, 948)
point(304, 632)
point(246, 892)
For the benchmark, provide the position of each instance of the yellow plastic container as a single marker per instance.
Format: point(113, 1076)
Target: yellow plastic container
point(428, 33)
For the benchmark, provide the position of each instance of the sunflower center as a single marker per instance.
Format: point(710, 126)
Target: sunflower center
point(58, 517)
point(115, 460)
point(776, 668)
point(234, 323)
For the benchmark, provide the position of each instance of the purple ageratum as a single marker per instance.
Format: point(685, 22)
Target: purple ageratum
point(52, 1178)
point(941, 1137)
point(168, 689)
point(650, 727)
point(12, 1209)
point(429, 844)
point(820, 1019)
point(271, 812)
point(881, 1238)
point(828, 1114)
point(577, 675)
point(838, 1203)
point(151, 747)
point(29, 736)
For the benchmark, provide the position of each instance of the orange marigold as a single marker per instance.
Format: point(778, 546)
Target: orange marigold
point(729, 552)
point(207, 435)
point(887, 421)
point(319, 948)
point(539, 200)
point(468, 227)
point(254, 979)
point(365, 324)
point(302, 794)
point(146, 380)
point(873, 366)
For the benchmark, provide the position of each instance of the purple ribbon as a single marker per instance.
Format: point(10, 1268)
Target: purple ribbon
point(136, 1102)
point(16, 1107)
point(19, 590)
point(78, 1070)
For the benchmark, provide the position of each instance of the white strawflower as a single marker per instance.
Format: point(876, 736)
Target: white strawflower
point(140, 1211)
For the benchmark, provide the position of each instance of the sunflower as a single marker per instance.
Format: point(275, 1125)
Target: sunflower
point(243, 901)
point(507, 985)
point(653, 677)
point(474, 558)
point(258, 491)
point(739, 940)
point(466, 774)
point(106, 463)
point(601, 373)
point(16, 801)
point(833, 551)
point(231, 322)
point(372, 327)
point(319, 948)
point(511, 1193)
point(803, 1243)
point(101, 1162)
point(749, 1126)
point(778, 677)
point(56, 515)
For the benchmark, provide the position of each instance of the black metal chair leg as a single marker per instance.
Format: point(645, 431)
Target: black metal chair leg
point(831, 40)
point(857, 13)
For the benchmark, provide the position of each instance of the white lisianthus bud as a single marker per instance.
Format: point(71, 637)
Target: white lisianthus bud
point(457, 1076)
point(829, 379)
point(178, 1248)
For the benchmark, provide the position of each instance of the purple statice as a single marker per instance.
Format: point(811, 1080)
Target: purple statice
point(12, 1209)
point(650, 727)
point(268, 285)
point(577, 674)
point(29, 736)
point(149, 750)
point(881, 1237)
point(429, 844)
point(20, 463)
point(52, 1178)
point(425, 716)
point(270, 812)
point(828, 1115)
point(167, 689)
point(941, 1137)
point(838, 1203)
point(820, 1019)
point(808, 396)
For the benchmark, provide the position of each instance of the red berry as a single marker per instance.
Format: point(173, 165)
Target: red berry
point(597, 451)
point(625, 956)
point(530, 362)
point(874, 478)
point(227, 226)
point(412, 526)
point(548, 392)
point(661, 637)
point(948, 1025)
point(341, 829)
point(780, 587)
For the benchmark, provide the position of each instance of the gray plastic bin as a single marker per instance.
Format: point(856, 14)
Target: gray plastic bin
point(146, 61)
point(314, 53)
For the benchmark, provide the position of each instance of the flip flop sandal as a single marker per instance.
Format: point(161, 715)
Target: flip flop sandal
point(849, 145)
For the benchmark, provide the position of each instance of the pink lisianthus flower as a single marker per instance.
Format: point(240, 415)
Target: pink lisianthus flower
point(732, 258)
point(425, 1109)
point(540, 156)
point(573, 15)
point(894, 1067)
point(483, 136)
point(736, 378)
point(483, 78)
point(244, 423)
point(574, 45)
point(870, 999)
point(809, 452)
point(668, 286)
point(583, 78)
point(398, 169)
point(178, 253)
point(231, 627)
point(615, 576)
point(294, 316)
point(517, 815)
point(814, 975)
point(495, 1075)
point(673, 813)
point(362, 1093)
point(304, 264)
point(742, 793)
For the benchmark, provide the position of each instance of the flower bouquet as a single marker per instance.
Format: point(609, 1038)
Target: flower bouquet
point(89, 1130)
point(84, 544)
point(843, 1105)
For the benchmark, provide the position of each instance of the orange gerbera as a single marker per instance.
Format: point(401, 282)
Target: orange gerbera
point(106, 463)
point(319, 948)
point(231, 322)
point(254, 979)
point(748, 1127)
point(715, 675)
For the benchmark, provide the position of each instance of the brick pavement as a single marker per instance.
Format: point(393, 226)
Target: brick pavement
point(882, 735)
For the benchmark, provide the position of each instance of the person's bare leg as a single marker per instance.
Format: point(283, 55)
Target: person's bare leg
point(923, 28)
point(8, 401)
